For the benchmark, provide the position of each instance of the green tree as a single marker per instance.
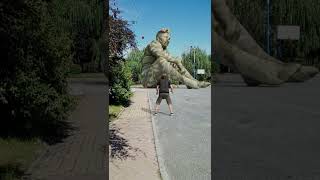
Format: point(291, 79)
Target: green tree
point(202, 61)
point(83, 20)
point(121, 37)
point(34, 99)
point(134, 61)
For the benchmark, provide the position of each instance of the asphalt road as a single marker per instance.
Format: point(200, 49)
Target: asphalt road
point(265, 132)
point(185, 138)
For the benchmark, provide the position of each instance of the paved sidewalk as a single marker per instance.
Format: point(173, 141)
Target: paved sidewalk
point(81, 156)
point(132, 148)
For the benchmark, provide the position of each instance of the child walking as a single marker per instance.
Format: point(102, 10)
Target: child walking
point(163, 86)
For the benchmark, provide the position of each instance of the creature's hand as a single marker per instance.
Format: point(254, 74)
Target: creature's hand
point(179, 63)
point(178, 60)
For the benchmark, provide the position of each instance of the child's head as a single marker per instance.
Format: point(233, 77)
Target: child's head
point(164, 76)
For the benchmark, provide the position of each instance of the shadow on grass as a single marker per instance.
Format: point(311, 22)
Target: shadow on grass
point(50, 133)
point(11, 171)
point(120, 148)
point(124, 104)
point(59, 132)
point(98, 82)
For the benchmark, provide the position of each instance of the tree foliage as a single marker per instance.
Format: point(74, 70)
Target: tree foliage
point(36, 56)
point(202, 61)
point(286, 12)
point(83, 20)
point(121, 37)
point(134, 61)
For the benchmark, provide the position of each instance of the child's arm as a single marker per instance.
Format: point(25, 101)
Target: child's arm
point(157, 89)
point(171, 87)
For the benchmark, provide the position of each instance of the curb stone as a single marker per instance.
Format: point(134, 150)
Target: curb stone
point(163, 172)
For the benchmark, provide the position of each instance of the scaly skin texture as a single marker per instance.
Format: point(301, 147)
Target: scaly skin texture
point(235, 47)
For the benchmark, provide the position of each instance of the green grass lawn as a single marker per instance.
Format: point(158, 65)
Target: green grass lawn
point(16, 156)
point(114, 112)
point(136, 86)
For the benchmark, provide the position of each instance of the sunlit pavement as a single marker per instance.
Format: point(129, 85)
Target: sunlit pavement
point(185, 138)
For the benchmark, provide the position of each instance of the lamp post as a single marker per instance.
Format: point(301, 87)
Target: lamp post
point(194, 61)
point(268, 28)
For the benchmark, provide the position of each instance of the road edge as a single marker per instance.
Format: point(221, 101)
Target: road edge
point(163, 172)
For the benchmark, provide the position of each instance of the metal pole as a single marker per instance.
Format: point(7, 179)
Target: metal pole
point(194, 63)
point(268, 26)
point(191, 56)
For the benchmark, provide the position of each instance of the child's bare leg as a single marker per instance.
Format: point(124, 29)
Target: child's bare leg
point(170, 108)
point(157, 108)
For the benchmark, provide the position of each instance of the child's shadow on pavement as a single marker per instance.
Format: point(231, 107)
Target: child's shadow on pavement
point(147, 110)
point(152, 111)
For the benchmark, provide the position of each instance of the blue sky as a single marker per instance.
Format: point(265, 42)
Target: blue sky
point(188, 20)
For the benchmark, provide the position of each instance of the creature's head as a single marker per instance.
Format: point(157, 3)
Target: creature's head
point(163, 36)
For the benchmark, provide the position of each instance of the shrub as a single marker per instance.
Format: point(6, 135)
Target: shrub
point(33, 90)
point(121, 81)
point(120, 38)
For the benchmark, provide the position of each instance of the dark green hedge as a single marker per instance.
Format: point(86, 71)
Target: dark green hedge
point(35, 56)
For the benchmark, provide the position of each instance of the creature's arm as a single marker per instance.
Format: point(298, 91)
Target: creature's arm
point(157, 51)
